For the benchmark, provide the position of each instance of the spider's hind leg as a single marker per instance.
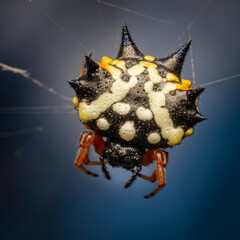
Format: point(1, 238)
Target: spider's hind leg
point(159, 173)
point(152, 178)
point(86, 139)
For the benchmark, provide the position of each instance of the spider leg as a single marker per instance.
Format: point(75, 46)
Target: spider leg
point(152, 178)
point(86, 139)
point(134, 176)
point(147, 160)
point(87, 171)
point(161, 159)
point(89, 162)
point(104, 167)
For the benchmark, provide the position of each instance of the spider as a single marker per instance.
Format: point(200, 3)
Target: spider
point(141, 106)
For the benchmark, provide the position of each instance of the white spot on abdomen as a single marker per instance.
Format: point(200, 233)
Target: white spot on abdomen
point(144, 113)
point(102, 123)
point(121, 108)
point(153, 138)
point(127, 131)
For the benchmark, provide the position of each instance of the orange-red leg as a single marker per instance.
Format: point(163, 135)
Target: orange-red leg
point(161, 161)
point(89, 162)
point(148, 159)
point(86, 139)
point(152, 178)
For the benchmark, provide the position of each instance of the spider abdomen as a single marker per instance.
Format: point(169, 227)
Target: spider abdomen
point(137, 99)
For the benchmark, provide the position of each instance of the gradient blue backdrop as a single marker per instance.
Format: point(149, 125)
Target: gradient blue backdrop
point(43, 195)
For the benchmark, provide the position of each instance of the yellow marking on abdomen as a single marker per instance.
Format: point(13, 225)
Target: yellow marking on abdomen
point(172, 77)
point(148, 64)
point(152, 71)
point(76, 101)
point(189, 132)
point(149, 58)
point(119, 63)
point(186, 83)
point(106, 60)
point(101, 65)
point(181, 87)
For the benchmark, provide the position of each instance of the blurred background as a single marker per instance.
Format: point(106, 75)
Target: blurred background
point(42, 194)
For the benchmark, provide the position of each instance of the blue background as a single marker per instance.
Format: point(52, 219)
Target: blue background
point(43, 195)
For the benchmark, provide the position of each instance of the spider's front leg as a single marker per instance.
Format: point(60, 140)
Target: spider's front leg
point(159, 173)
point(86, 139)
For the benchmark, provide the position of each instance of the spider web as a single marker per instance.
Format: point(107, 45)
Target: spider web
point(42, 45)
point(186, 29)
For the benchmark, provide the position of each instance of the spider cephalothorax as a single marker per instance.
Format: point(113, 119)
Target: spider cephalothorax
point(138, 102)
